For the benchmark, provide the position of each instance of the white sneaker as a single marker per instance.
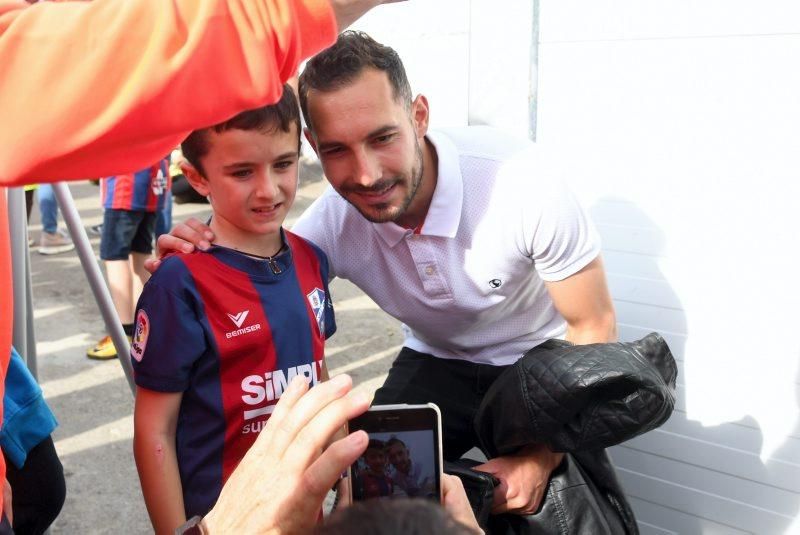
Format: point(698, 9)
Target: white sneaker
point(57, 242)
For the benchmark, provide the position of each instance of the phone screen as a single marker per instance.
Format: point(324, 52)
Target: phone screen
point(403, 458)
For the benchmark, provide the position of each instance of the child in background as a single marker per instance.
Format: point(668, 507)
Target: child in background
point(130, 203)
point(220, 333)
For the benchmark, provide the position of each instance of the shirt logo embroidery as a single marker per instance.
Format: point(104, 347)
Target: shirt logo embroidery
point(140, 335)
point(316, 298)
point(239, 318)
point(495, 283)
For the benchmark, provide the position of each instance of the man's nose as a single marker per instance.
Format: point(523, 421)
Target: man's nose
point(367, 169)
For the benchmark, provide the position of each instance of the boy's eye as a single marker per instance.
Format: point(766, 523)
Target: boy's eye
point(285, 164)
point(242, 173)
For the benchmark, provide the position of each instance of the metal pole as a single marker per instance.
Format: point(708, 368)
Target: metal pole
point(31, 357)
point(23, 335)
point(95, 278)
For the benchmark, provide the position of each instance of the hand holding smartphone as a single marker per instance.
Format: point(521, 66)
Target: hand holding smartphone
point(404, 455)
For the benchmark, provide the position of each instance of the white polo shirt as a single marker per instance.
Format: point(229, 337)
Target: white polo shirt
point(470, 285)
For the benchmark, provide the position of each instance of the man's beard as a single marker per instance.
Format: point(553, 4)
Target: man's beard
point(385, 213)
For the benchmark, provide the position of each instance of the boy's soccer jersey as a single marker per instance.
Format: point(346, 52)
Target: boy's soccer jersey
point(142, 190)
point(374, 486)
point(230, 334)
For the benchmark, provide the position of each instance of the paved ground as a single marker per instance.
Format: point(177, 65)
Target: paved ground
point(92, 400)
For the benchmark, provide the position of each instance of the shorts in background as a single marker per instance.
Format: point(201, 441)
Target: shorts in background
point(126, 231)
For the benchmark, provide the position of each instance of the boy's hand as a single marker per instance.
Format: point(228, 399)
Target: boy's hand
point(183, 238)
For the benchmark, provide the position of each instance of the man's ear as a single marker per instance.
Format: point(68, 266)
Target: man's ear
point(310, 139)
point(195, 179)
point(420, 115)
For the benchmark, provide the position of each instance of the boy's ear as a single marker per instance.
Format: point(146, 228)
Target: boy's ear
point(195, 179)
point(310, 139)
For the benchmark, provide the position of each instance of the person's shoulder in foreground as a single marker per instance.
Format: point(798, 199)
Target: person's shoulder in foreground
point(121, 130)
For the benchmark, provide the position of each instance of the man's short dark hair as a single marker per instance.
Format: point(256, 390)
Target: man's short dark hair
point(279, 116)
point(339, 65)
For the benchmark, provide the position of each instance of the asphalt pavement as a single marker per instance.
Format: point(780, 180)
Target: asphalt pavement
point(91, 399)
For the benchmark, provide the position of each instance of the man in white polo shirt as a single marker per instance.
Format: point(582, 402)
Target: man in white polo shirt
point(461, 234)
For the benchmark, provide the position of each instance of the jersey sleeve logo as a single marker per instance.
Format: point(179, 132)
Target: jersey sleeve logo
point(139, 341)
point(316, 298)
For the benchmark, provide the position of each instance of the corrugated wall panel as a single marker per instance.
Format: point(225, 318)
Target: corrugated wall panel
point(691, 500)
point(695, 448)
point(656, 514)
point(695, 481)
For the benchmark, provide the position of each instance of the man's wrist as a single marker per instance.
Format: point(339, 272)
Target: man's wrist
point(541, 451)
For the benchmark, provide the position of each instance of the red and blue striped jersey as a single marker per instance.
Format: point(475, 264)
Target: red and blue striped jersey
point(142, 190)
point(230, 334)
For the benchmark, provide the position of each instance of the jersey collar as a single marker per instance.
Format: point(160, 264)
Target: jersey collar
point(255, 267)
point(444, 213)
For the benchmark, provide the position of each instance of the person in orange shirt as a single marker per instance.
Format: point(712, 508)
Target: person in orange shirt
point(100, 88)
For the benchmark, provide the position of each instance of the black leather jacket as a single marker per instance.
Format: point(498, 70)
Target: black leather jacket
point(580, 400)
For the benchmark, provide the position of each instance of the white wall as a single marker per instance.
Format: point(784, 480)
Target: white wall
point(678, 123)
point(432, 38)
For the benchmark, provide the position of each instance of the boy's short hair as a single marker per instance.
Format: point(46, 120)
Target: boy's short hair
point(339, 65)
point(281, 115)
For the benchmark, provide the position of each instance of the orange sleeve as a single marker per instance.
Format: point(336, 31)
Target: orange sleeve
point(100, 88)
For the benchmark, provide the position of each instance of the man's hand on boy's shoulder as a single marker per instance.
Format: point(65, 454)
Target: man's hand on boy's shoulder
point(184, 237)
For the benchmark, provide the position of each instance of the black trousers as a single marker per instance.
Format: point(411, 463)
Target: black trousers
point(38, 489)
point(456, 386)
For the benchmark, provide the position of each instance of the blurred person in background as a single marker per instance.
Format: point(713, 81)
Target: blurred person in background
point(131, 206)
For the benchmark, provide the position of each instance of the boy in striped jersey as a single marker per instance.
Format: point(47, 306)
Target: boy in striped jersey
point(220, 334)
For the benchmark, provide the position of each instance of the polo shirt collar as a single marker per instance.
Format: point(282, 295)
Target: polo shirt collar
point(444, 213)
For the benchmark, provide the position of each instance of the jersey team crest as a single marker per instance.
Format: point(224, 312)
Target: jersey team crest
point(139, 341)
point(316, 299)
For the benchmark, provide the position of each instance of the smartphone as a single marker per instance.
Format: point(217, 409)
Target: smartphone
point(404, 455)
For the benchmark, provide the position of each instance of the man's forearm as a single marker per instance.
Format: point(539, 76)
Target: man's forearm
point(348, 11)
point(601, 331)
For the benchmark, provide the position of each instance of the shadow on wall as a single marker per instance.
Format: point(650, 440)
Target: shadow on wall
point(687, 477)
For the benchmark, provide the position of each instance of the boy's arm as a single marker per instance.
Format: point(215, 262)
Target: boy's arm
point(155, 419)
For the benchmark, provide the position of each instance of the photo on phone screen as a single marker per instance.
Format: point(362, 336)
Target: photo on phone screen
point(403, 458)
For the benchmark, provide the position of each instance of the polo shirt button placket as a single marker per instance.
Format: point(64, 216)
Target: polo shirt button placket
point(424, 256)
